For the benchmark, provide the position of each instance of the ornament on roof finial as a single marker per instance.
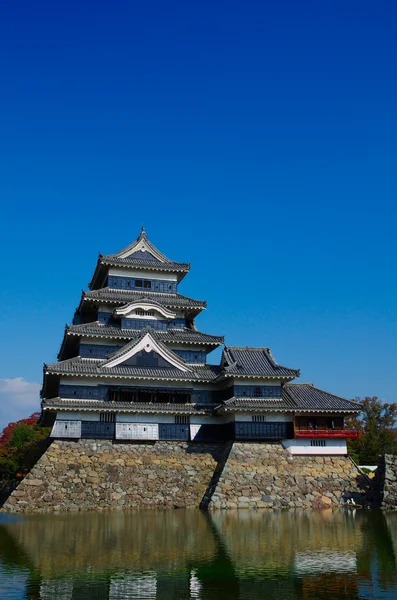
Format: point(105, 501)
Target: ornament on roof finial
point(143, 231)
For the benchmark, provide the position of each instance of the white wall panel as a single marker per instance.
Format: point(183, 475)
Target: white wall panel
point(66, 429)
point(137, 431)
point(303, 446)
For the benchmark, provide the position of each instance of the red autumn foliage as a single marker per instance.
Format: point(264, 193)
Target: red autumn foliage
point(7, 433)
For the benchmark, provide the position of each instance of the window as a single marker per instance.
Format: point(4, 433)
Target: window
point(144, 313)
point(182, 420)
point(138, 283)
point(259, 418)
point(257, 392)
point(317, 443)
point(107, 417)
point(147, 284)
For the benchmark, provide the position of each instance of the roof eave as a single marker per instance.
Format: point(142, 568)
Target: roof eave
point(129, 377)
point(263, 376)
point(207, 344)
point(181, 270)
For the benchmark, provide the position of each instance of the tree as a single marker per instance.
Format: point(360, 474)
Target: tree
point(21, 445)
point(377, 434)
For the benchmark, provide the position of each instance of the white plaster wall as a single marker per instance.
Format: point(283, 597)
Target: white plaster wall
point(303, 446)
point(269, 417)
point(137, 431)
point(128, 272)
point(78, 416)
point(136, 418)
point(66, 429)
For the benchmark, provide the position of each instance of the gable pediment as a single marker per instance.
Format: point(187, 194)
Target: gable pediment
point(130, 310)
point(147, 344)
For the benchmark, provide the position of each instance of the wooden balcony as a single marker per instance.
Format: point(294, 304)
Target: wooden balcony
point(326, 433)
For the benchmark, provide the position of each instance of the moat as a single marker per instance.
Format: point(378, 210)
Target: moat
point(189, 554)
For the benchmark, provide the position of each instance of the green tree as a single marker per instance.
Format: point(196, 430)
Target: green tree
point(21, 445)
point(377, 434)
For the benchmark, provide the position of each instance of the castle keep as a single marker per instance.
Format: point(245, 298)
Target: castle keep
point(134, 367)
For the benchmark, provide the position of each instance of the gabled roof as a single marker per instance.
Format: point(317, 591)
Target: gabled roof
point(180, 336)
point(88, 367)
point(308, 398)
point(144, 249)
point(112, 296)
point(253, 362)
point(140, 254)
point(146, 342)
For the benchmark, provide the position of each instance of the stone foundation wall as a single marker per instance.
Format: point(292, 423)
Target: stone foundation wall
point(261, 475)
point(388, 474)
point(98, 474)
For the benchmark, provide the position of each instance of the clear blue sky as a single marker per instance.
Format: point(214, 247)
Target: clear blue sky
point(256, 140)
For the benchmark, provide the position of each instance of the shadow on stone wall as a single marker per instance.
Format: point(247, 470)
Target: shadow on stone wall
point(265, 475)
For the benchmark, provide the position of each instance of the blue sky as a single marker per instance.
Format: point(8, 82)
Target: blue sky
point(255, 140)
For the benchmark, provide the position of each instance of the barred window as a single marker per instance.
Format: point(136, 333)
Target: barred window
point(107, 417)
point(144, 313)
point(259, 418)
point(318, 443)
point(182, 419)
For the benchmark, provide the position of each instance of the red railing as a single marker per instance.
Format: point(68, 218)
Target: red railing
point(326, 433)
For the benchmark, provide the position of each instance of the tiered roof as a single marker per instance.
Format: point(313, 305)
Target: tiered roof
point(237, 363)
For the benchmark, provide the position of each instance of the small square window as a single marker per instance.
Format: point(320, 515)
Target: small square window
point(138, 283)
point(147, 284)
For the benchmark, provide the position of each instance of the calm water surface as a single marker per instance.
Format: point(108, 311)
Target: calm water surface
point(177, 555)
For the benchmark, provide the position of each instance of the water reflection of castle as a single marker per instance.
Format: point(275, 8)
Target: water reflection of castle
point(190, 555)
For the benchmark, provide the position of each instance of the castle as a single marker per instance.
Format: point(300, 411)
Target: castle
point(134, 367)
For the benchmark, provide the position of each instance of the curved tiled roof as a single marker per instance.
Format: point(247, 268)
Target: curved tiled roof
point(306, 397)
point(253, 362)
point(183, 336)
point(113, 296)
point(296, 397)
point(89, 367)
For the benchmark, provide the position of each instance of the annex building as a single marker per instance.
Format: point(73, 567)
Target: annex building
point(134, 366)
